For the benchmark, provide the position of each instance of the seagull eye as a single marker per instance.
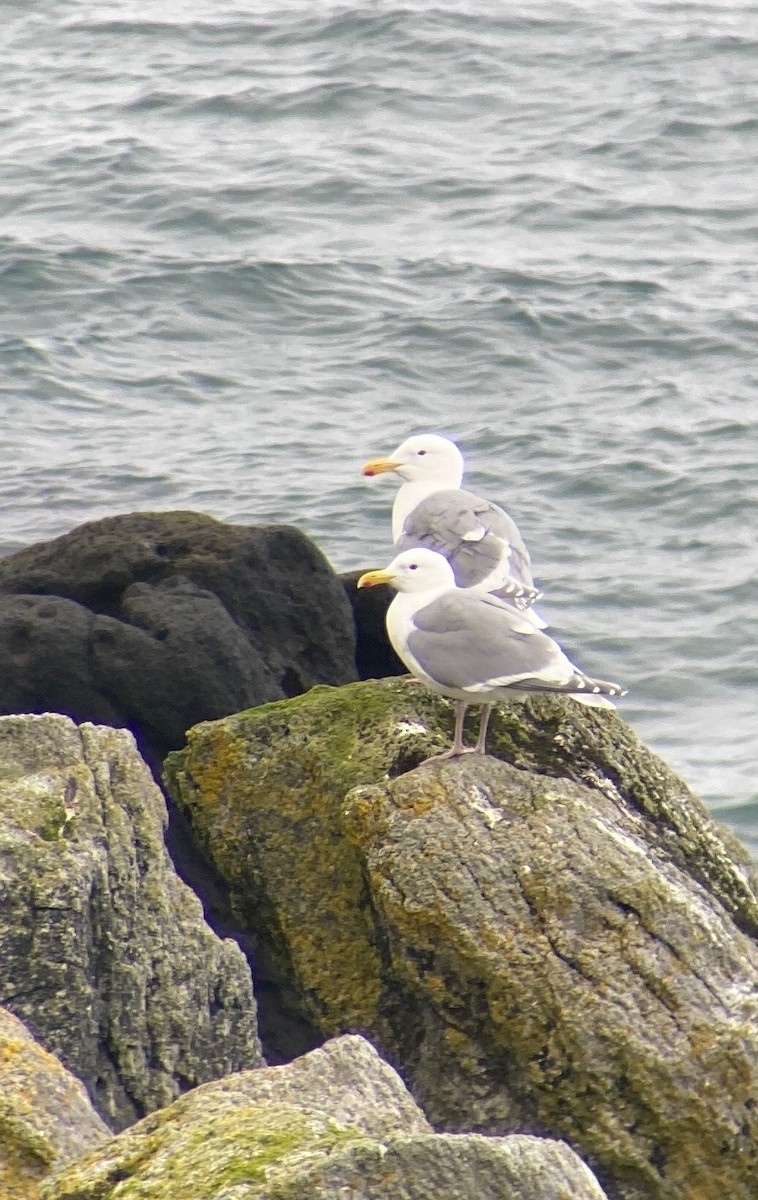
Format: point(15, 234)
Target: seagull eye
point(420, 452)
point(413, 566)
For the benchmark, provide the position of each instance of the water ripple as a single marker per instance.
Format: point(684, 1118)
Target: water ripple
point(241, 252)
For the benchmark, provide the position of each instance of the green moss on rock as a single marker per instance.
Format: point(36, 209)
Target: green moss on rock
point(555, 942)
point(264, 790)
point(337, 1122)
point(185, 1154)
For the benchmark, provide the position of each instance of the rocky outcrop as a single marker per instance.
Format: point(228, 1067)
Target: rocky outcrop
point(559, 943)
point(104, 952)
point(46, 1119)
point(336, 1122)
point(156, 621)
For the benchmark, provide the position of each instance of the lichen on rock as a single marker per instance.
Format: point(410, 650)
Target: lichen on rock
point(105, 952)
point(336, 1122)
point(556, 943)
point(205, 1155)
point(272, 780)
point(45, 1117)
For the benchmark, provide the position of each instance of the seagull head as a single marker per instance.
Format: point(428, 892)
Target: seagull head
point(425, 456)
point(416, 570)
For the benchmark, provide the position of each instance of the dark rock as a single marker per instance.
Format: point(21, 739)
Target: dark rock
point(104, 952)
point(374, 656)
point(174, 650)
point(562, 943)
point(157, 621)
point(45, 659)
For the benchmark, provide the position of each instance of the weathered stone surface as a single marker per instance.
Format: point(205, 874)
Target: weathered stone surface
point(345, 1078)
point(338, 1122)
point(156, 621)
point(558, 944)
point(446, 1167)
point(45, 1117)
point(104, 952)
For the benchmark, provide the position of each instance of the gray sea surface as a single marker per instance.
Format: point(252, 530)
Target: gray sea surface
point(245, 247)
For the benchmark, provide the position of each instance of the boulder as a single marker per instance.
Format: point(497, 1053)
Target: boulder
point(156, 621)
point(558, 940)
point(104, 952)
point(374, 655)
point(338, 1122)
point(46, 1119)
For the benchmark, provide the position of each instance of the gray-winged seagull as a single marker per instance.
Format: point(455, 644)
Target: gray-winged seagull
point(478, 538)
point(472, 646)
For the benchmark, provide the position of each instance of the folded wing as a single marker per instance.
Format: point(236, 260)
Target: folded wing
point(478, 643)
point(476, 537)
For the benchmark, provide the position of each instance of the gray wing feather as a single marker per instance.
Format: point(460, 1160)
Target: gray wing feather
point(461, 639)
point(446, 522)
point(503, 526)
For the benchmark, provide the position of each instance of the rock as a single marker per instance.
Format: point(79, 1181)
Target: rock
point(104, 952)
point(157, 621)
point(46, 1119)
point(560, 944)
point(338, 1122)
point(446, 1167)
point(374, 656)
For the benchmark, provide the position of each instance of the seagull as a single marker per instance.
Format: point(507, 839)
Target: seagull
point(478, 538)
point(472, 646)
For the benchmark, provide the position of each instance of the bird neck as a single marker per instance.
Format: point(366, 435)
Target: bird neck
point(402, 609)
point(412, 492)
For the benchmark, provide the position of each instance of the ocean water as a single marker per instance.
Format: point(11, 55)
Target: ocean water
point(244, 248)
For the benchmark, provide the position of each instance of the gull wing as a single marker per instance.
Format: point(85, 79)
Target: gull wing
point(475, 536)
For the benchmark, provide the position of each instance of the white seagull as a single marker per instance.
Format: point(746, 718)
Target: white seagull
point(472, 646)
point(478, 538)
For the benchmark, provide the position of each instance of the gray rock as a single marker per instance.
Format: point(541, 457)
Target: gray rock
point(374, 655)
point(564, 946)
point(345, 1078)
point(563, 976)
point(46, 1119)
point(446, 1167)
point(104, 952)
point(337, 1122)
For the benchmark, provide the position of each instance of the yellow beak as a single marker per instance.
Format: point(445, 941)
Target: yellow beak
point(379, 466)
point(372, 578)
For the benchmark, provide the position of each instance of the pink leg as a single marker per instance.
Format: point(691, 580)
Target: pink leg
point(457, 747)
point(481, 741)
